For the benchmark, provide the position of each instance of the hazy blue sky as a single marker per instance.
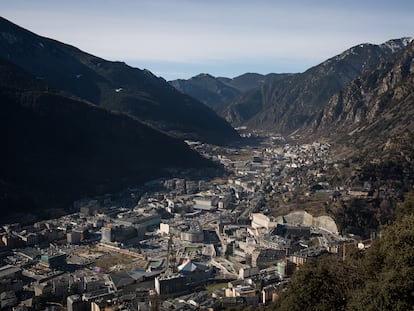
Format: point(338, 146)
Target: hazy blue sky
point(181, 38)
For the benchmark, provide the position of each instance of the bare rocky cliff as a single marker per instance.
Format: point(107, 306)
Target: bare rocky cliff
point(286, 105)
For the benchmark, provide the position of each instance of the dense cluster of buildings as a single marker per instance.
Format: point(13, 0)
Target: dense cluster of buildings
point(162, 245)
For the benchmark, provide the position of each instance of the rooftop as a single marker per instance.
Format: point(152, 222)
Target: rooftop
point(8, 270)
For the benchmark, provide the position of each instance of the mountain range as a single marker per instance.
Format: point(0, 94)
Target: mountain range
point(287, 102)
point(75, 125)
point(113, 85)
point(216, 92)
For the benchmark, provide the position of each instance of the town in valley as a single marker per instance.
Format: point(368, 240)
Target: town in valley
point(185, 243)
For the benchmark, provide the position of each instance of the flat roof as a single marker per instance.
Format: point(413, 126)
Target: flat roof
point(204, 207)
point(8, 270)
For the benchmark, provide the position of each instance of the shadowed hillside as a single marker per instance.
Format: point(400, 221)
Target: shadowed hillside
point(113, 85)
point(57, 149)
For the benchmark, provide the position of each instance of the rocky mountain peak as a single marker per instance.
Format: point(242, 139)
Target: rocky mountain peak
point(286, 105)
point(396, 44)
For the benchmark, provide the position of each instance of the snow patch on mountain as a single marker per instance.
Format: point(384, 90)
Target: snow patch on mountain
point(396, 44)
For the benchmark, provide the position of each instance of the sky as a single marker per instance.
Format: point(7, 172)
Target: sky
point(182, 38)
